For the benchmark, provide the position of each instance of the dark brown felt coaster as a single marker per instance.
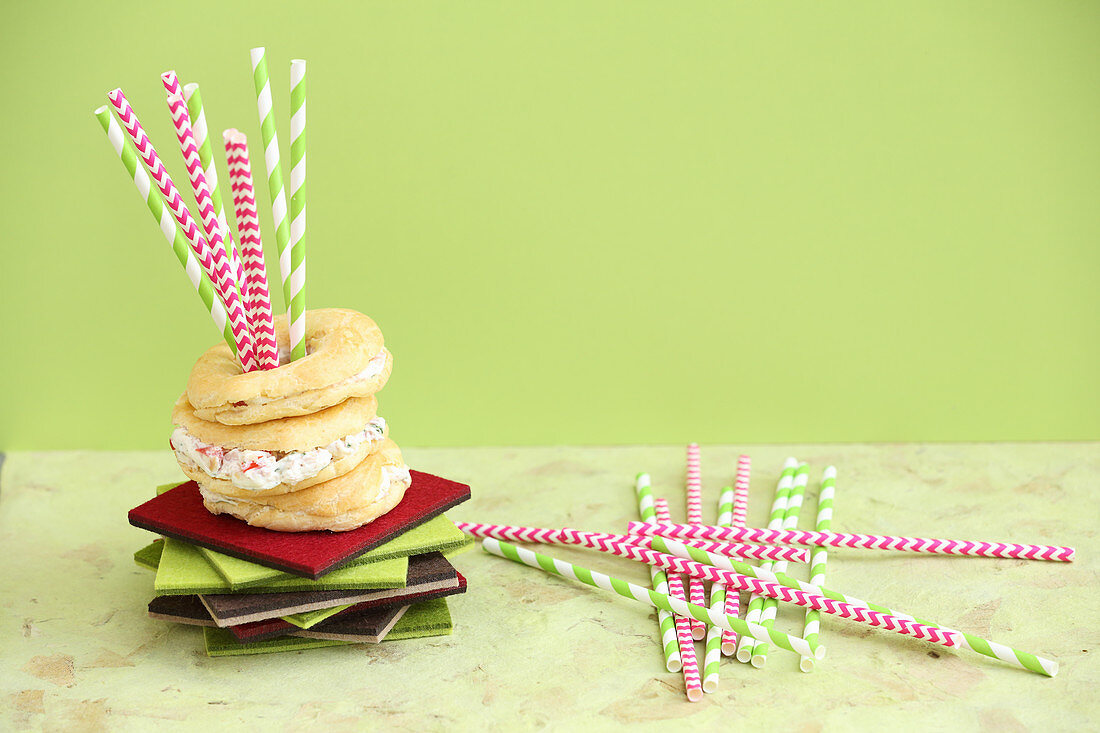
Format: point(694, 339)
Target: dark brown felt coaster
point(179, 513)
point(429, 572)
point(368, 627)
point(181, 609)
point(274, 627)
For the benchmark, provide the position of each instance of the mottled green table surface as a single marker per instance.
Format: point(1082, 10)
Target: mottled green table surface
point(531, 651)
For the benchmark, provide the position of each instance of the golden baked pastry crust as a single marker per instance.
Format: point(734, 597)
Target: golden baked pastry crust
point(300, 433)
point(339, 345)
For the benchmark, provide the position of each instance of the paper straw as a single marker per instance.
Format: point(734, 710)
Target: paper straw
point(658, 600)
point(217, 271)
point(693, 684)
point(257, 297)
point(694, 490)
point(675, 557)
point(666, 625)
point(740, 514)
point(197, 113)
point(966, 548)
point(593, 540)
point(741, 491)
point(274, 172)
point(779, 510)
point(856, 611)
point(297, 209)
point(155, 202)
point(713, 645)
point(211, 226)
point(790, 521)
point(1023, 660)
point(818, 560)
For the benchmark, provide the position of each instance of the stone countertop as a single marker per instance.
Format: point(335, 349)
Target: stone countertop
point(531, 651)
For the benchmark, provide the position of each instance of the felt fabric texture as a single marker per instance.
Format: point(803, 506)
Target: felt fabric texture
point(309, 619)
point(368, 627)
point(435, 535)
point(183, 570)
point(180, 609)
point(427, 578)
point(272, 627)
point(343, 503)
point(179, 513)
point(431, 618)
point(149, 556)
point(339, 345)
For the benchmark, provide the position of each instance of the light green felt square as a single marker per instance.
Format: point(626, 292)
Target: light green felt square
point(430, 618)
point(149, 556)
point(436, 535)
point(183, 570)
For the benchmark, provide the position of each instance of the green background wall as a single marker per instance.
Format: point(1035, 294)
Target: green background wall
point(592, 222)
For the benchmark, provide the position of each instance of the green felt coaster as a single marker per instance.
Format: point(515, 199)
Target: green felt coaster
point(431, 618)
point(183, 570)
point(436, 535)
point(312, 618)
point(149, 556)
point(220, 643)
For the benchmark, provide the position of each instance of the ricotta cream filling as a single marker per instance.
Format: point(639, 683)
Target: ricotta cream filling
point(390, 475)
point(258, 470)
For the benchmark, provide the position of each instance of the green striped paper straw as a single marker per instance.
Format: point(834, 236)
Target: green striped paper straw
point(775, 521)
point(713, 646)
point(645, 595)
point(790, 521)
point(996, 650)
point(155, 202)
point(274, 171)
point(666, 624)
point(818, 558)
point(297, 209)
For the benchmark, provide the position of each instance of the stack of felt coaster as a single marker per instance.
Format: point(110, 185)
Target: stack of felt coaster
point(255, 590)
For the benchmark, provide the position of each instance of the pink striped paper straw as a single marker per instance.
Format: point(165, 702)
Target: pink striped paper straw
point(805, 596)
point(693, 683)
point(257, 296)
point(695, 516)
point(216, 270)
point(220, 247)
point(967, 548)
point(740, 514)
point(569, 536)
point(741, 491)
point(766, 584)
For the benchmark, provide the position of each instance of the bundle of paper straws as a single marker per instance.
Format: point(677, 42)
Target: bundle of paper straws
point(717, 554)
point(229, 276)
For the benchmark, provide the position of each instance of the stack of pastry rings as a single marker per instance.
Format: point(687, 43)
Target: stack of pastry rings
point(299, 447)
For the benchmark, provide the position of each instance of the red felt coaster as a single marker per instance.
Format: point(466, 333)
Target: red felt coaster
point(273, 627)
point(179, 513)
